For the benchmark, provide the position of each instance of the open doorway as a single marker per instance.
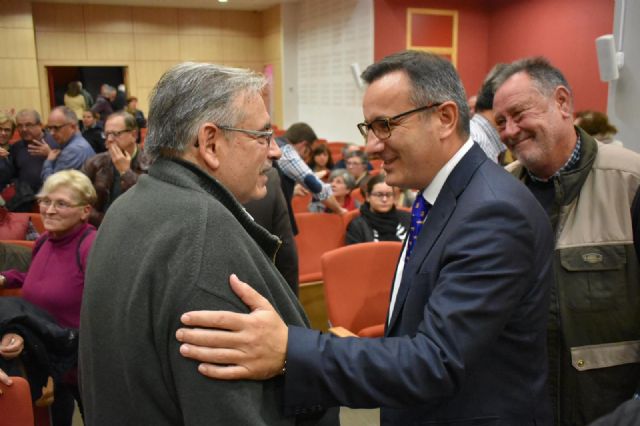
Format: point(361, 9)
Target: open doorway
point(90, 77)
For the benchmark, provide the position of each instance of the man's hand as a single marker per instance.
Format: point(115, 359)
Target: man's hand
point(11, 345)
point(39, 148)
point(236, 346)
point(4, 153)
point(299, 190)
point(121, 159)
point(5, 379)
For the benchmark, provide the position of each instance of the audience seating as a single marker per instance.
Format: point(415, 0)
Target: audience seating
point(143, 136)
point(317, 234)
point(348, 217)
point(15, 404)
point(336, 150)
point(36, 220)
point(300, 203)
point(23, 243)
point(357, 284)
point(376, 164)
point(356, 194)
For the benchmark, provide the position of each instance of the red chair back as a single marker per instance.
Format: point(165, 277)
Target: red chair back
point(318, 233)
point(349, 216)
point(357, 284)
point(300, 203)
point(15, 404)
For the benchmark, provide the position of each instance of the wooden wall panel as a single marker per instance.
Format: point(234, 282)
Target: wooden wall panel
point(61, 46)
point(16, 43)
point(156, 47)
point(205, 48)
point(148, 40)
point(147, 20)
point(58, 17)
point(200, 22)
point(20, 98)
point(107, 19)
point(115, 47)
point(15, 14)
point(18, 73)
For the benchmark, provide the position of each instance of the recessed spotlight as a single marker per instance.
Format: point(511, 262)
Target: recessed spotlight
point(222, 1)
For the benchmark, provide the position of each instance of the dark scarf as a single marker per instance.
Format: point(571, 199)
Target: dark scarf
point(385, 223)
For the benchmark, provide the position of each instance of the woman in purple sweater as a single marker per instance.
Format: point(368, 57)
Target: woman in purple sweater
point(55, 279)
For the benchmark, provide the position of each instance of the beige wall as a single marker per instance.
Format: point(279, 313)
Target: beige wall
point(145, 40)
point(272, 48)
point(19, 86)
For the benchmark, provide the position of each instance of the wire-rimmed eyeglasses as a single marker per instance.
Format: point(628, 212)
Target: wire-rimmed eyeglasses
point(262, 136)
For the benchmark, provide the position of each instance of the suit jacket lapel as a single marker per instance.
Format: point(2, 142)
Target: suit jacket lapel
point(436, 221)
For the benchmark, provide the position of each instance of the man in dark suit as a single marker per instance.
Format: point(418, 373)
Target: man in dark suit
point(465, 338)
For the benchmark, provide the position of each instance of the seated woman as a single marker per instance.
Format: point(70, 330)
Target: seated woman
point(55, 279)
point(321, 162)
point(341, 185)
point(379, 219)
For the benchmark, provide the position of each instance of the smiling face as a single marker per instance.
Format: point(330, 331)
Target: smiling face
point(63, 212)
point(413, 153)
point(537, 128)
point(244, 159)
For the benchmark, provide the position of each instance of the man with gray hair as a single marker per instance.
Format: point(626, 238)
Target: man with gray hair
point(170, 244)
point(103, 105)
point(465, 336)
point(587, 189)
point(73, 149)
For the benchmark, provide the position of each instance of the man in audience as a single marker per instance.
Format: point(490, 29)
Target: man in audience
point(27, 158)
point(73, 149)
point(169, 244)
point(7, 128)
point(272, 213)
point(346, 150)
point(586, 188)
point(296, 141)
point(465, 337)
point(103, 105)
point(93, 131)
point(115, 171)
point(482, 124)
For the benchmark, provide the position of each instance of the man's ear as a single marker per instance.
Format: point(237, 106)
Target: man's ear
point(448, 115)
point(563, 100)
point(208, 145)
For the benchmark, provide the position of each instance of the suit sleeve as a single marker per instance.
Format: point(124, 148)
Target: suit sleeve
point(483, 265)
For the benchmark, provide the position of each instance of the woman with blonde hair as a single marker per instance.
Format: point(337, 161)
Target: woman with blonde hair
point(74, 100)
point(55, 279)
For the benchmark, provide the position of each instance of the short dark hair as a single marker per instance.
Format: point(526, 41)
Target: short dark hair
point(300, 132)
point(484, 98)
point(545, 76)
point(373, 181)
point(433, 78)
point(130, 122)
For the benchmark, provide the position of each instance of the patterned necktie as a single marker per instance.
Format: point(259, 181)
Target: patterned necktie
point(418, 214)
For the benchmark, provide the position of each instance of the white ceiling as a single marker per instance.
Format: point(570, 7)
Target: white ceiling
point(190, 4)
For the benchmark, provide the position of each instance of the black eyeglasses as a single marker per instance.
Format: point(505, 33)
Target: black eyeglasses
point(116, 133)
point(382, 127)
point(52, 128)
point(262, 136)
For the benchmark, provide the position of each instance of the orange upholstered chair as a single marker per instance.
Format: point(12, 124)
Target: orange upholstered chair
point(15, 404)
point(357, 284)
point(300, 203)
point(357, 195)
point(348, 217)
point(23, 243)
point(317, 233)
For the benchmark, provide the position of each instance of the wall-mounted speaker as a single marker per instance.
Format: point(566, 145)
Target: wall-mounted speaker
point(355, 70)
point(609, 60)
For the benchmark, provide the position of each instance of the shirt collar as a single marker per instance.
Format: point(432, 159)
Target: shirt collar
point(570, 164)
point(431, 192)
